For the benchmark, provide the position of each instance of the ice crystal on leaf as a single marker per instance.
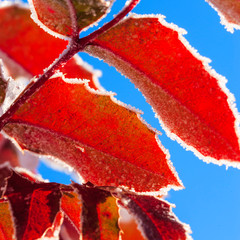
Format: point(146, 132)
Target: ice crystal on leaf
point(64, 113)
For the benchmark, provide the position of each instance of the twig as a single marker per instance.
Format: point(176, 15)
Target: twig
point(82, 42)
point(34, 86)
point(73, 16)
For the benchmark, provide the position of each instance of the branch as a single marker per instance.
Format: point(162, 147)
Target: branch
point(82, 42)
point(34, 86)
point(73, 15)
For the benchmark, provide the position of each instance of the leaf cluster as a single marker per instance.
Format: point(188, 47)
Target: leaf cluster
point(63, 112)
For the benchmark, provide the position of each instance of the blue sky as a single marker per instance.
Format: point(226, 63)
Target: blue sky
point(210, 202)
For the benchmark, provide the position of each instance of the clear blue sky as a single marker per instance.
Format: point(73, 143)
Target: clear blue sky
point(210, 202)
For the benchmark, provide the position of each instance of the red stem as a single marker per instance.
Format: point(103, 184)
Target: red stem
point(34, 86)
point(75, 46)
point(88, 39)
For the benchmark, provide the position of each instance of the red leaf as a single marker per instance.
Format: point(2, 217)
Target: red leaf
point(176, 82)
point(229, 11)
point(65, 17)
point(6, 221)
point(34, 208)
point(105, 142)
point(25, 53)
point(99, 214)
point(155, 218)
point(26, 43)
point(71, 205)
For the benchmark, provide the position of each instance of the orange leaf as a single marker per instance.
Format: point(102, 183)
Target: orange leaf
point(6, 221)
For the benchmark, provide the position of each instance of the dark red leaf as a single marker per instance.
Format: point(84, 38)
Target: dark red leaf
point(99, 214)
point(155, 218)
point(177, 82)
point(105, 142)
point(34, 207)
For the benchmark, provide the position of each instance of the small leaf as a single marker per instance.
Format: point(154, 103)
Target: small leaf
point(229, 11)
point(155, 217)
point(99, 214)
point(102, 140)
point(71, 205)
point(6, 221)
point(66, 16)
point(177, 82)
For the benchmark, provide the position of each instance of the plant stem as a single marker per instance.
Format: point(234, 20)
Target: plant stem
point(88, 39)
point(75, 46)
point(73, 15)
point(34, 86)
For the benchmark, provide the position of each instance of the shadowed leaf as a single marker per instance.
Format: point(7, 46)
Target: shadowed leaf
point(155, 218)
point(34, 208)
point(99, 214)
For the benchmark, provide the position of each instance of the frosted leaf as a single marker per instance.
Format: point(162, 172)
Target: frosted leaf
point(229, 12)
point(66, 17)
point(185, 99)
